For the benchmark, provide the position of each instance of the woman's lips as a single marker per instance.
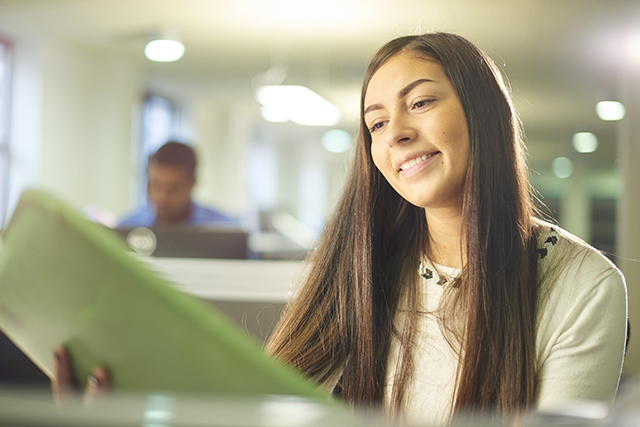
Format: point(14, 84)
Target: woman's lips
point(406, 166)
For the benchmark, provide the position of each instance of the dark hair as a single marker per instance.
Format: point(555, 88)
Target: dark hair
point(176, 154)
point(342, 319)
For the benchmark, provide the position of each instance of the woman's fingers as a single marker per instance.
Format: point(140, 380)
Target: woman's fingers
point(63, 385)
point(98, 384)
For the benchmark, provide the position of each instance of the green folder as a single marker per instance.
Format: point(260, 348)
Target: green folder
point(65, 280)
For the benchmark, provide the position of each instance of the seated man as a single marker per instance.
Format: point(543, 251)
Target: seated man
point(171, 178)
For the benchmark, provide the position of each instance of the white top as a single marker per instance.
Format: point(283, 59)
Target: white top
point(580, 338)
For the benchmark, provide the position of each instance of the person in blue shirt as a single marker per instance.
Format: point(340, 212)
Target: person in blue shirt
point(171, 178)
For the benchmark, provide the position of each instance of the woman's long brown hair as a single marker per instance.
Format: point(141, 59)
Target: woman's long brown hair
point(341, 321)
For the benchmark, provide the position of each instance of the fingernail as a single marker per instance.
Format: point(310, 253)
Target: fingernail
point(56, 354)
point(93, 381)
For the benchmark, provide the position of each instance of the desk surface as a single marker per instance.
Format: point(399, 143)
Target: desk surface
point(232, 280)
point(162, 410)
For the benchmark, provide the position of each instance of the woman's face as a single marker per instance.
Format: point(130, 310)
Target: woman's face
point(419, 134)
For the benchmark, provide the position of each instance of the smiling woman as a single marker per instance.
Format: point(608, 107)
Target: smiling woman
point(419, 136)
point(436, 290)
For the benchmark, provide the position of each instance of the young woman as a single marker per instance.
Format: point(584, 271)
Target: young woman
point(436, 289)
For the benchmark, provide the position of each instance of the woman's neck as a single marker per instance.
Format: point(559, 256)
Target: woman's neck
point(445, 237)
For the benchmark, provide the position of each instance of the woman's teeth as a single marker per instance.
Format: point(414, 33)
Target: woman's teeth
point(411, 163)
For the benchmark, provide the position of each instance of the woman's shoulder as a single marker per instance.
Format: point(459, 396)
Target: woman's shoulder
point(582, 318)
point(567, 261)
point(556, 245)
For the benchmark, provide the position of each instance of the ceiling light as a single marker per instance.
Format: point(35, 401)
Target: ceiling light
point(299, 104)
point(562, 167)
point(336, 141)
point(585, 142)
point(610, 110)
point(275, 115)
point(164, 50)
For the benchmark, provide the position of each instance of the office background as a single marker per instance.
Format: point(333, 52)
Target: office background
point(82, 107)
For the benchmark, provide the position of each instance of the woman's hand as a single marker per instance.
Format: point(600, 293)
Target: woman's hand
point(64, 387)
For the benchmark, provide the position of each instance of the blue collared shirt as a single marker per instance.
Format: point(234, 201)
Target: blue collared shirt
point(199, 215)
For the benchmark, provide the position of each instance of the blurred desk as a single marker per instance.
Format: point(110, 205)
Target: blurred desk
point(18, 408)
point(251, 292)
point(163, 410)
point(231, 280)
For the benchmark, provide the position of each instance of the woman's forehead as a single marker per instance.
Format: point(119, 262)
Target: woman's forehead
point(401, 70)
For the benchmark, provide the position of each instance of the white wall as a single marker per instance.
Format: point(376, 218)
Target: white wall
point(87, 103)
point(71, 124)
point(629, 207)
point(223, 141)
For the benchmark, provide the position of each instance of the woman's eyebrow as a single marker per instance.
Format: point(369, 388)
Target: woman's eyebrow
point(401, 94)
point(411, 86)
point(371, 108)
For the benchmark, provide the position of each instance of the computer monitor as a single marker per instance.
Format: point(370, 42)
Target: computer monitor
point(215, 241)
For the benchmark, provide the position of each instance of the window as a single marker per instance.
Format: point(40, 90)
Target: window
point(160, 122)
point(6, 49)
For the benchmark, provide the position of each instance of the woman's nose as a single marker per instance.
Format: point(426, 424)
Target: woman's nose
point(400, 130)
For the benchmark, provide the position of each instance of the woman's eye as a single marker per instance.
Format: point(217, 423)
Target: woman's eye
point(421, 103)
point(375, 126)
